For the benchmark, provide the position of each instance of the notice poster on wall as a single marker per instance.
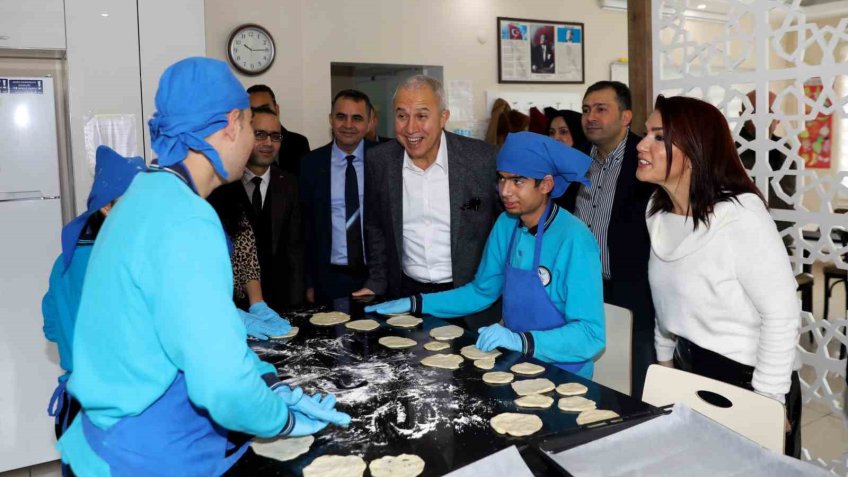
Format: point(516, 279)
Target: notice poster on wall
point(817, 137)
point(538, 51)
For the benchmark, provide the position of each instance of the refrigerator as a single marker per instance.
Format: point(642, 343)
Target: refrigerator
point(30, 228)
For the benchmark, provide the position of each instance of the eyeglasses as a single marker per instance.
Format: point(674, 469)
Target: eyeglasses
point(263, 135)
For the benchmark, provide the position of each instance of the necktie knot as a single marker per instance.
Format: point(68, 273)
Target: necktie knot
point(256, 181)
point(350, 159)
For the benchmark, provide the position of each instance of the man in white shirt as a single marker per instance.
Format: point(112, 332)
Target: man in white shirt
point(430, 201)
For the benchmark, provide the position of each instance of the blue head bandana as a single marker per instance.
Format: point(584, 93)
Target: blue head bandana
point(112, 175)
point(536, 156)
point(192, 102)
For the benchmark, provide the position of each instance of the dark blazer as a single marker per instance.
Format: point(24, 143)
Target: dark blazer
point(315, 199)
point(279, 236)
point(474, 207)
point(293, 148)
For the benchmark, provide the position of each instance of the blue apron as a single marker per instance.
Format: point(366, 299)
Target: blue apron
point(57, 404)
point(526, 305)
point(171, 437)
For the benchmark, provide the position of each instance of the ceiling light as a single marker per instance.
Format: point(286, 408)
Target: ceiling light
point(104, 14)
point(701, 6)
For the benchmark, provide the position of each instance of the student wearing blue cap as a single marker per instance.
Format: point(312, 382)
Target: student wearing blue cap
point(112, 175)
point(540, 258)
point(162, 369)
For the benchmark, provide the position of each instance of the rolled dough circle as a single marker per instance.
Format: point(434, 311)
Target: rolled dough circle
point(396, 342)
point(498, 377)
point(291, 334)
point(485, 363)
point(336, 466)
point(436, 346)
point(535, 400)
point(516, 424)
point(576, 404)
point(329, 318)
point(442, 360)
point(445, 333)
point(472, 352)
point(571, 389)
point(362, 325)
point(527, 369)
point(282, 449)
point(532, 386)
point(404, 321)
point(595, 415)
point(404, 465)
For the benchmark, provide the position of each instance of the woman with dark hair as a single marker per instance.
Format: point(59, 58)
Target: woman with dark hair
point(720, 276)
point(564, 126)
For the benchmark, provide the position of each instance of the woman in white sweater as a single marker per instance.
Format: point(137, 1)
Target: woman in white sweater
point(720, 276)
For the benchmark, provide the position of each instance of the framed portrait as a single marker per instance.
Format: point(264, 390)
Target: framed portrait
point(540, 51)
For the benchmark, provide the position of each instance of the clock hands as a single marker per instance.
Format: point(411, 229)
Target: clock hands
point(251, 49)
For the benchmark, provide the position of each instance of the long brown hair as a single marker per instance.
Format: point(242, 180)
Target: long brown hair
point(701, 133)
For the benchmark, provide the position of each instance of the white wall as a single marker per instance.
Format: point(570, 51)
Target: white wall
point(310, 34)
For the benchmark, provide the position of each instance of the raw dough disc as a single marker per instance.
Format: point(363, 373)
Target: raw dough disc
point(485, 363)
point(595, 415)
point(527, 368)
point(291, 334)
point(282, 449)
point(498, 377)
point(576, 404)
point(571, 389)
point(404, 321)
point(532, 386)
point(336, 466)
point(516, 424)
point(436, 346)
point(330, 318)
point(445, 333)
point(535, 400)
point(396, 342)
point(473, 353)
point(404, 465)
point(442, 360)
point(362, 325)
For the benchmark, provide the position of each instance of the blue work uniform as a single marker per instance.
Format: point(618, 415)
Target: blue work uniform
point(556, 305)
point(161, 365)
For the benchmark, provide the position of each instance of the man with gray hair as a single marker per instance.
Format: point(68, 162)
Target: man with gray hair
point(430, 201)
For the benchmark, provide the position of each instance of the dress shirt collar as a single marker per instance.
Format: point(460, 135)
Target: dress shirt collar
point(341, 156)
point(441, 157)
point(615, 155)
point(249, 175)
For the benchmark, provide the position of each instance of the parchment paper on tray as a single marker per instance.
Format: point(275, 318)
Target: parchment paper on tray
point(681, 443)
point(504, 462)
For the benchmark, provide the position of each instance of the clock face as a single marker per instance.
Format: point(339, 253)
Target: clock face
point(251, 49)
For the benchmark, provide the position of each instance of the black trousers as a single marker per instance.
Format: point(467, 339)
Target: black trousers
point(636, 297)
point(70, 409)
point(692, 358)
point(340, 282)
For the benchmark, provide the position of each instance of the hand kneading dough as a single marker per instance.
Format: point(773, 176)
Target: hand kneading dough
point(516, 424)
point(362, 325)
point(436, 346)
point(485, 363)
point(329, 318)
point(498, 377)
point(576, 404)
point(282, 449)
point(291, 334)
point(571, 389)
point(473, 353)
point(336, 466)
point(442, 360)
point(404, 465)
point(404, 321)
point(396, 342)
point(527, 368)
point(535, 400)
point(595, 415)
point(445, 333)
point(532, 386)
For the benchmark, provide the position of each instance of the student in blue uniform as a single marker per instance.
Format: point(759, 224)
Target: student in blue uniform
point(540, 258)
point(112, 175)
point(162, 369)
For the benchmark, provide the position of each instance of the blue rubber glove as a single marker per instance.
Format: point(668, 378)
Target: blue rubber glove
point(323, 409)
point(290, 396)
point(255, 326)
point(401, 305)
point(305, 425)
point(495, 336)
point(277, 325)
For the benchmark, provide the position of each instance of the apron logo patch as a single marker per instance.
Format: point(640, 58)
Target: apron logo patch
point(544, 275)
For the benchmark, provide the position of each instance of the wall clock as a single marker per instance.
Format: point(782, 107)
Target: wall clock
point(251, 49)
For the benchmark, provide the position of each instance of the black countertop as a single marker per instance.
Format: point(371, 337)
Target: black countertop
point(399, 406)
